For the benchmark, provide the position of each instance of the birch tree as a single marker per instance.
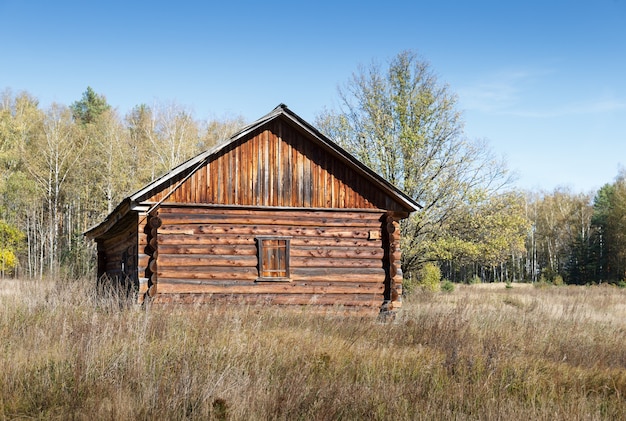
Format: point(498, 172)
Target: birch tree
point(173, 135)
point(561, 235)
point(50, 159)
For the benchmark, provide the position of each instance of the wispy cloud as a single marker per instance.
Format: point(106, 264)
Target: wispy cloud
point(496, 93)
point(593, 106)
point(527, 94)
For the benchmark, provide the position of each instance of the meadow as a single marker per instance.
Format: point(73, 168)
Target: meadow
point(481, 352)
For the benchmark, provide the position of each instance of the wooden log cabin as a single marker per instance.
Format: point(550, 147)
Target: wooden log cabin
point(279, 214)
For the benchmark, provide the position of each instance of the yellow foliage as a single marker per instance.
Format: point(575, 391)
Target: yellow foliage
point(8, 261)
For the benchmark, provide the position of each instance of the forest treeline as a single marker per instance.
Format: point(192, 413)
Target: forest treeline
point(63, 168)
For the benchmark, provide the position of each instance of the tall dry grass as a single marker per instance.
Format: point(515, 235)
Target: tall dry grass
point(476, 353)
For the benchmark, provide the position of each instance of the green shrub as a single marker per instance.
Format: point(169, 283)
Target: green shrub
point(447, 285)
point(475, 280)
point(430, 277)
point(558, 280)
point(408, 286)
point(622, 284)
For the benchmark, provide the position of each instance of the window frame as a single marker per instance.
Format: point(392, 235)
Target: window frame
point(261, 248)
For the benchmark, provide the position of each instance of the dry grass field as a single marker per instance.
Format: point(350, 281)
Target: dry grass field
point(478, 353)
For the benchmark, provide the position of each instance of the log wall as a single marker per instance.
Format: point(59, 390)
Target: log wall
point(117, 254)
point(336, 257)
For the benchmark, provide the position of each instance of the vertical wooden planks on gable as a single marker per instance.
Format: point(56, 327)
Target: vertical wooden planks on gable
point(210, 194)
point(266, 168)
point(298, 173)
point(234, 174)
point(202, 184)
point(193, 186)
point(278, 167)
point(341, 197)
point(271, 141)
point(306, 179)
point(320, 185)
point(230, 175)
point(350, 192)
point(245, 174)
point(287, 166)
point(256, 178)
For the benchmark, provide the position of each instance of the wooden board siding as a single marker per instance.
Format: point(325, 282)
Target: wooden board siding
point(213, 250)
point(276, 166)
point(117, 252)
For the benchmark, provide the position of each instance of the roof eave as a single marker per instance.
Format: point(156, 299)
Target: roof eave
point(118, 213)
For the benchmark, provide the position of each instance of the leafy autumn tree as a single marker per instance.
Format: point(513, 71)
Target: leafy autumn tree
point(11, 242)
point(401, 122)
point(21, 202)
point(484, 236)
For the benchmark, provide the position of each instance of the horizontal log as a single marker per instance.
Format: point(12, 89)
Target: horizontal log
point(334, 263)
point(203, 272)
point(372, 304)
point(207, 262)
point(186, 260)
point(337, 252)
point(335, 242)
point(356, 284)
point(189, 239)
point(338, 279)
point(264, 230)
point(170, 210)
point(396, 305)
point(269, 219)
point(296, 276)
point(393, 270)
point(236, 239)
point(343, 272)
point(143, 286)
point(209, 249)
point(166, 287)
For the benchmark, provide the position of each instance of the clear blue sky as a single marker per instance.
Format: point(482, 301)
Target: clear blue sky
point(543, 81)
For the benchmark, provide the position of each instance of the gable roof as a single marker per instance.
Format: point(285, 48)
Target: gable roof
point(186, 169)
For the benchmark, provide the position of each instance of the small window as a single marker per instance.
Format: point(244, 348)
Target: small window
point(273, 258)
